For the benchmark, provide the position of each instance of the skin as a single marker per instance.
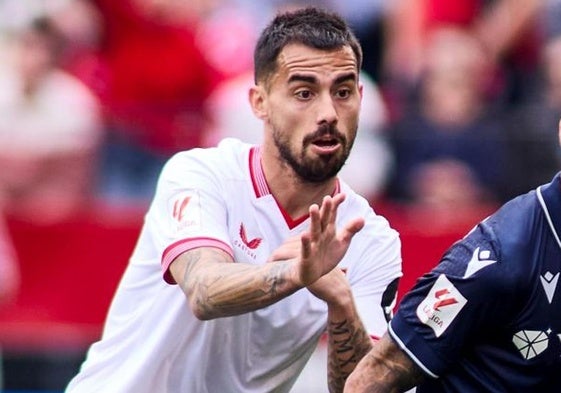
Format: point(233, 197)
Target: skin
point(387, 368)
point(309, 108)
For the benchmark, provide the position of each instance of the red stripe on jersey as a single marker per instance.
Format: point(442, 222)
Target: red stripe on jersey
point(260, 185)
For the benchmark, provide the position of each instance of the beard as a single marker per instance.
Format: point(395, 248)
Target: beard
point(318, 169)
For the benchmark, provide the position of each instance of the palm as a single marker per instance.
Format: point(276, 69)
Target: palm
point(322, 246)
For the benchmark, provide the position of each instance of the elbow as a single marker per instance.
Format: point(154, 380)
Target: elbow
point(200, 309)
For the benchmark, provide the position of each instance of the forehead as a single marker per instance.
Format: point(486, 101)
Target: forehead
point(323, 64)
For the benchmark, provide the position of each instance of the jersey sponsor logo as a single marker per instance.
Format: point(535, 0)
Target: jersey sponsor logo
point(479, 260)
point(253, 243)
point(248, 246)
point(549, 284)
point(441, 306)
point(530, 343)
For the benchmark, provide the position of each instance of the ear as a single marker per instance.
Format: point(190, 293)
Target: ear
point(257, 100)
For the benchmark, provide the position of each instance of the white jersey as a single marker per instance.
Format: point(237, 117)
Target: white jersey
point(219, 197)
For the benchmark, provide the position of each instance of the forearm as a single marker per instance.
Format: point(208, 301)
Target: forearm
point(348, 342)
point(216, 288)
point(385, 369)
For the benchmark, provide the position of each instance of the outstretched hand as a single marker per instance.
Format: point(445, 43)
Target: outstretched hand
point(317, 251)
point(322, 247)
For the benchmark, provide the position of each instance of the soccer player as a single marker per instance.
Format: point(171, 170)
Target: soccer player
point(488, 317)
point(250, 253)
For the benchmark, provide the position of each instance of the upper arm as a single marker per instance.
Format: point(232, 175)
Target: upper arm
point(188, 212)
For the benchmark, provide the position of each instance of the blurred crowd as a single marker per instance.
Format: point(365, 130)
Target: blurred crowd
point(461, 104)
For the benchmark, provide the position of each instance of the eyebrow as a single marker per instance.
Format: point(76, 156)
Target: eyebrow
point(351, 76)
point(302, 78)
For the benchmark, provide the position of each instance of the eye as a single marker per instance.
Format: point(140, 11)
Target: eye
point(304, 94)
point(343, 93)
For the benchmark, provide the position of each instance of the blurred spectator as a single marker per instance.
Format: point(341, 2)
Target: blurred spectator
point(448, 147)
point(226, 33)
point(367, 18)
point(507, 30)
point(78, 23)
point(49, 129)
point(158, 79)
point(534, 150)
point(369, 164)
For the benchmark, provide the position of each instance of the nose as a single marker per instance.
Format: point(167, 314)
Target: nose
point(327, 112)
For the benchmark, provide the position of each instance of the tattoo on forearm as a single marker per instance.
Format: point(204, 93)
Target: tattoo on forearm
point(342, 338)
point(348, 344)
point(231, 289)
point(388, 368)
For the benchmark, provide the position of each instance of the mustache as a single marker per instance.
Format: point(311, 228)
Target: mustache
point(325, 129)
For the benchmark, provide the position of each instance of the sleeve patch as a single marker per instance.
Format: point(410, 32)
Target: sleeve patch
point(441, 306)
point(185, 210)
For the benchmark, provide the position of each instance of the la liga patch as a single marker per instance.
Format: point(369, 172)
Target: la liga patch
point(185, 210)
point(441, 306)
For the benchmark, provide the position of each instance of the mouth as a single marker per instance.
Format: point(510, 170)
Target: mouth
point(327, 144)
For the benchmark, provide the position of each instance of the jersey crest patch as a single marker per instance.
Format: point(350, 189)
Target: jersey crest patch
point(530, 343)
point(441, 306)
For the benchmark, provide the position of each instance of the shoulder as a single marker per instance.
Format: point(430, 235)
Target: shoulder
point(357, 205)
point(228, 157)
point(515, 223)
point(496, 251)
point(377, 232)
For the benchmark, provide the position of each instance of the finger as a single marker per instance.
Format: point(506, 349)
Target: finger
point(352, 228)
point(284, 253)
point(288, 250)
point(336, 200)
point(315, 221)
point(326, 211)
point(306, 246)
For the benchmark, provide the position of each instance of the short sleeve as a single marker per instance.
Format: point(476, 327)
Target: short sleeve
point(188, 210)
point(465, 297)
